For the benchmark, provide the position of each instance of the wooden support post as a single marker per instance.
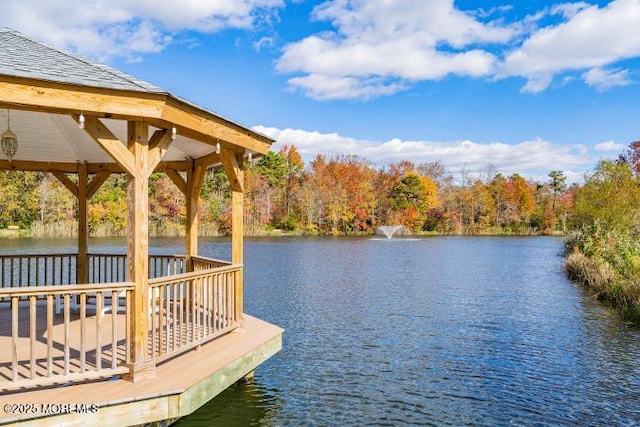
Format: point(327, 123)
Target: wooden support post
point(195, 176)
point(233, 166)
point(138, 251)
point(83, 225)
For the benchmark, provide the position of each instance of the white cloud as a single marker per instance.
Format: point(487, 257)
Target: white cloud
point(378, 48)
point(603, 79)
point(322, 87)
point(106, 28)
point(609, 146)
point(529, 158)
point(568, 10)
point(264, 42)
point(592, 37)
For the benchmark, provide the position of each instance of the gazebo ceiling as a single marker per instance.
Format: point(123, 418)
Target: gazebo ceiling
point(44, 88)
point(46, 137)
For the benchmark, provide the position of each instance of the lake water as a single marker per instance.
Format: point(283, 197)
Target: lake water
point(434, 331)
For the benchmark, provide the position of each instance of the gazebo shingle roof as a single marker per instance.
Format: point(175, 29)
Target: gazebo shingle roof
point(44, 116)
point(21, 56)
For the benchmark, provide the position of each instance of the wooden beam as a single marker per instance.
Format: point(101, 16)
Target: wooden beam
point(232, 167)
point(110, 143)
point(105, 167)
point(207, 124)
point(158, 145)
point(57, 98)
point(178, 165)
point(37, 95)
point(208, 160)
point(83, 225)
point(177, 179)
point(138, 249)
point(64, 180)
point(96, 182)
point(215, 137)
point(29, 166)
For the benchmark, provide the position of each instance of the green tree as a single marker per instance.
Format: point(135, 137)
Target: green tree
point(610, 196)
point(558, 184)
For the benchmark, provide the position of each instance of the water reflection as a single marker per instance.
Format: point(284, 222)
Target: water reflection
point(243, 404)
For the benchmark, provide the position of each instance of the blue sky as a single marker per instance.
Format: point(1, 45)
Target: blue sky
point(525, 86)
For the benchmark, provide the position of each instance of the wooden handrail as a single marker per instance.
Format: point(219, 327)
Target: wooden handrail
point(211, 260)
point(32, 255)
point(192, 274)
point(65, 289)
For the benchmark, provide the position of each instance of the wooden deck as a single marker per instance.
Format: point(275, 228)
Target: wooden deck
point(181, 386)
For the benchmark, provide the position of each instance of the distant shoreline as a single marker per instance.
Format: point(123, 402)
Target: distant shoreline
point(14, 233)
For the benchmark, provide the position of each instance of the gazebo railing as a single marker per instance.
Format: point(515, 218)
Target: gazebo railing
point(46, 348)
point(105, 268)
point(60, 269)
point(190, 309)
point(55, 331)
point(37, 270)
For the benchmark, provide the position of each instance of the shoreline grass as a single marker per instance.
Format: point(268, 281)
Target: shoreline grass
point(607, 264)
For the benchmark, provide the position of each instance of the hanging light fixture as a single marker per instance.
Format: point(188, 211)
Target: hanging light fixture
point(174, 133)
point(81, 121)
point(217, 147)
point(250, 156)
point(9, 140)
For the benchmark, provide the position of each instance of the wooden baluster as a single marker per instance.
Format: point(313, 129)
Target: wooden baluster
point(152, 296)
point(181, 314)
point(83, 332)
point(227, 306)
point(205, 306)
point(216, 301)
point(49, 335)
point(32, 335)
point(14, 336)
point(231, 306)
point(167, 300)
point(193, 309)
point(174, 298)
point(196, 309)
point(28, 260)
point(67, 333)
point(127, 325)
point(114, 329)
point(98, 331)
point(45, 262)
point(164, 312)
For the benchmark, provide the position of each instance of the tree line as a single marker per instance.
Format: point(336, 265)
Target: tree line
point(338, 195)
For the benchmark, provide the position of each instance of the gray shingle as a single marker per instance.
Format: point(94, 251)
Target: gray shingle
point(21, 56)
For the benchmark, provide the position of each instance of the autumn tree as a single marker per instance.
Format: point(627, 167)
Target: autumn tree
point(294, 165)
point(631, 156)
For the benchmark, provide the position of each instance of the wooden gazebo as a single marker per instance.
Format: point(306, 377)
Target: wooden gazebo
point(85, 316)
